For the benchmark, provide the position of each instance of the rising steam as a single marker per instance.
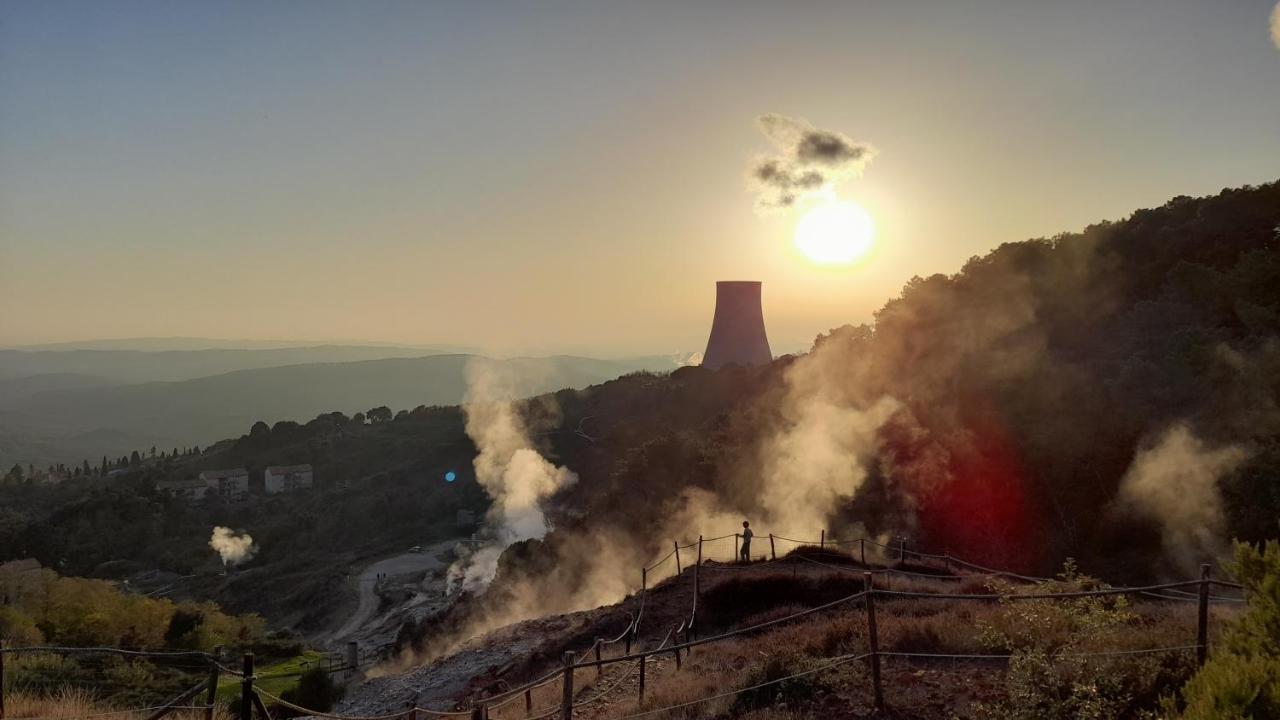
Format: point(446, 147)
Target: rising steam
point(1275, 26)
point(808, 160)
point(232, 547)
point(511, 471)
point(1175, 482)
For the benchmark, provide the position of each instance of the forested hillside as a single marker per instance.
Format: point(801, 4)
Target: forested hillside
point(1109, 395)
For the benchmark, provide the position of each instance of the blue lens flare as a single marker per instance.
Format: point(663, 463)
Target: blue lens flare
point(450, 476)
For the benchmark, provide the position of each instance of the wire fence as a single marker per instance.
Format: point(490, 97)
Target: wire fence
point(837, 554)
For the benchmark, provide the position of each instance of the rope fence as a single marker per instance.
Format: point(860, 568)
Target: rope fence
point(252, 695)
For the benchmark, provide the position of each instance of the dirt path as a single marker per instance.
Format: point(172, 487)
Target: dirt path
point(398, 565)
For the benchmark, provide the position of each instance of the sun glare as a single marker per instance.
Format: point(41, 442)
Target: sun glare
point(835, 232)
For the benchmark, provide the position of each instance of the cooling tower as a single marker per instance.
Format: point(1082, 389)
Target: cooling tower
point(737, 332)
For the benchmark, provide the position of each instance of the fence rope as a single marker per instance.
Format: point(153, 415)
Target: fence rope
point(66, 650)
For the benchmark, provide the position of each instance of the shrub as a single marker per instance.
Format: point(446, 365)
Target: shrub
point(315, 691)
point(1242, 678)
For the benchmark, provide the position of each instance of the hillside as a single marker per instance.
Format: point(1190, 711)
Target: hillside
point(66, 418)
point(1109, 396)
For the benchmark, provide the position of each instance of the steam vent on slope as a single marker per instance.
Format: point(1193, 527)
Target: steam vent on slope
point(737, 332)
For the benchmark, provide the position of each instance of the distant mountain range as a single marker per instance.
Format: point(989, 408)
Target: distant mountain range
point(136, 366)
point(84, 406)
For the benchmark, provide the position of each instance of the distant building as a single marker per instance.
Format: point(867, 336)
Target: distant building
point(287, 478)
point(191, 489)
point(230, 484)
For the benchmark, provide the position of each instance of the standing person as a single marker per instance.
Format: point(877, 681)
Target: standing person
point(746, 541)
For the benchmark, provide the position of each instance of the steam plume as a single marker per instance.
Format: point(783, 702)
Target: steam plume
point(808, 160)
point(1275, 26)
point(515, 475)
point(1175, 482)
point(232, 547)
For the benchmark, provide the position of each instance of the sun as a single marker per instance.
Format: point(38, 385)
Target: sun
point(835, 232)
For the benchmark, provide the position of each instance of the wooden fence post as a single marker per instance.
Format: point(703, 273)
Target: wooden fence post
point(735, 548)
point(598, 644)
point(211, 696)
point(873, 641)
point(528, 701)
point(822, 540)
point(246, 688)
point(773, 551)
point(566, 702)
point(477, 711)
point(862, 550)
point(1202, 629)
point(642, 664)
point(675, 645)
point(677, 544)
point(697, 584)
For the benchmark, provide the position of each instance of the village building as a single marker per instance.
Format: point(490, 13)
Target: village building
point(287, 478)
point(191, 489)
point(230, 484)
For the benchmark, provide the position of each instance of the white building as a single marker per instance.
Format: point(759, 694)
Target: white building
point(231, 484)
point(287, 478)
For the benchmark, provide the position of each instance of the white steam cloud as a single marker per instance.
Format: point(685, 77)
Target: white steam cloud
point(510, 470)
point(808, 160)
point(817, 461)
point(1275, 25)
point(232, 547)
point(1175, 482)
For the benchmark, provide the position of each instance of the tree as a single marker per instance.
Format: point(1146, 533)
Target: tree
point(380, 414)
point(14, 474)
point(105, 466)
point(182, 625)
point(358, 418)
point(135, 459)
point(153, 451)
point(260, 431)
point(86, 470)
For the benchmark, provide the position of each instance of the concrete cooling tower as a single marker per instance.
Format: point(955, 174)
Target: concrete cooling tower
point(737, 332)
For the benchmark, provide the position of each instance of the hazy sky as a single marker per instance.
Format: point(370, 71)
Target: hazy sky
point(540, 176)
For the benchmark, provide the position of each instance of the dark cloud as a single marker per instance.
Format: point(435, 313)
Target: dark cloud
point(808, 159)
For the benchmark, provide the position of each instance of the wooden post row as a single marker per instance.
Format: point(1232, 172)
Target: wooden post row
point(873, 640)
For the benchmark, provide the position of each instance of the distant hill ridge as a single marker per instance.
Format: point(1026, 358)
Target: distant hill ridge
point(205, 409)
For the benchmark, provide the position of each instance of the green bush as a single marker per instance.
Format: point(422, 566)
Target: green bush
point(315, 691)
point(1242, 678)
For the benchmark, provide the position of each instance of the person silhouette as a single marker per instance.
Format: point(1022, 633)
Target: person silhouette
point(746, 541)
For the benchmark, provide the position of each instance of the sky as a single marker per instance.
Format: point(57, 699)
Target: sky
point(570, 177)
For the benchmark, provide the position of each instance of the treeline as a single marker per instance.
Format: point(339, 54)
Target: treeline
point(43, 608)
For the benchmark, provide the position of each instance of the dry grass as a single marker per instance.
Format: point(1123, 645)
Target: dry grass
point(71, 704)
point(914, 687)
